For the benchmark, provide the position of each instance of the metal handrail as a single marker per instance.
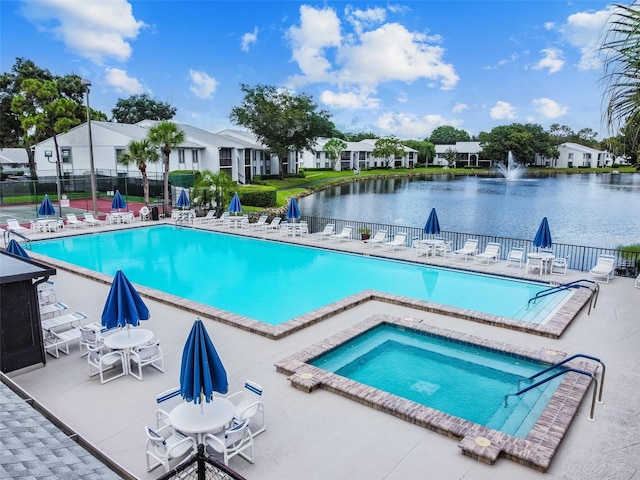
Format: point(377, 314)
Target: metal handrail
point(593, 299)
point(7, 233)
point(557, 374)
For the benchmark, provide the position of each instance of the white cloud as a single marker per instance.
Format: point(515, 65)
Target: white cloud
point(552, 60)
point(549, 25)
point(319, 29)
point(122, 82)
point(350, 100)
point(368, 57)
point(583, 31)
point(502, 111)
point(549, 108)
point(459, 107)
point(248, 39)
point(93, 29)
point(407, 125)
point(203, 85)
point(361, 19)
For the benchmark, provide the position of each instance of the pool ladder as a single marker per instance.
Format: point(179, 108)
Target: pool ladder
point(186, 216)
point(597, 392)
point(7, 234)
point(594, 287)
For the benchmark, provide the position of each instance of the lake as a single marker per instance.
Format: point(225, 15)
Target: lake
point(600, 210)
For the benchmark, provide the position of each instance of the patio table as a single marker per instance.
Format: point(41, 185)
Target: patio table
point(199, 419)
point(126, 339)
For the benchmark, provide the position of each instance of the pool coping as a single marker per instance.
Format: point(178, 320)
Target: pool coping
point(476, 441)
point(553, 327)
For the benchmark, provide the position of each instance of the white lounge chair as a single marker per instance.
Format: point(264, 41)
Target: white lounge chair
point(12, 224)
point(345, 234)
point(378, 239)
point(469, 249)
point(326, 232)
point(637, 284)
point(399, 240)
point(491, 253)
point(223, 219)
point(603, 269)
point(232, 442)
point(73, 221)
point(260, 223)
point(516, 255)
point(272, 226)
point(91, 220)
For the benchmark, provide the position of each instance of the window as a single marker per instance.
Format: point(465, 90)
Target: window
point(225, 157)
point(194, 159)
point(66, 155)
point(181, 156)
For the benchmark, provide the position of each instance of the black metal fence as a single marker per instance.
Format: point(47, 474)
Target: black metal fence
point(579, 257)
point(201, 466)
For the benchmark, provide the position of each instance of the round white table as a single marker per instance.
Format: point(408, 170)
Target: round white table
point(126, 339)
point(545, 257)
point(189, 417)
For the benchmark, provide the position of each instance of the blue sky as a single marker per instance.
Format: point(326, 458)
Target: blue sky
point(394, 68)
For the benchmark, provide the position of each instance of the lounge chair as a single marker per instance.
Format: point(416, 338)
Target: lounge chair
point(378, 239)
point(73, 220)
point(516, 255)
point(326, 232)
point(604, 269)
point(399, 240)
point(12, 224)
point(469, 249)
point(223, 220)
point(345, 234)
point(491, 253)
point(637, 284)
point(208, 218)
point(272, 226)
point(91, 220)
point(260, 223)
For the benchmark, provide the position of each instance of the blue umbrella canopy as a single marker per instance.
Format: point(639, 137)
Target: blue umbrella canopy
point(118, 201)
point(15, 248)
point(124, 305)
point(432, 227)
point(201, 371)
point(183, 199)
point(46, 207)
point(543, 236)
point(235, 206)
point(293, 211)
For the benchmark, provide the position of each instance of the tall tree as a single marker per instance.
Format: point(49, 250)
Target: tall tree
point(334, 149)
point(448, 135)
point(140, 153)
point(44, 113)
point(388, 148)
point(524, 141)
point(426, 150)
point(142, 107)
point(621, 46)
point(282, 121)
point(166, 136)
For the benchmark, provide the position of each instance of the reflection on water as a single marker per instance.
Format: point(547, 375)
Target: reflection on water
point(591, 209)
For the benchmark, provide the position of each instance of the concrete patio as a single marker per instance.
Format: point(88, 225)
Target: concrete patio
point(322, 435)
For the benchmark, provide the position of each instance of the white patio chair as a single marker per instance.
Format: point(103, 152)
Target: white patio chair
point(559, 266)
point(399, 240)
point(637, 284)
point(260, 223)
point(516, 255)
point(166, 444)
point(303, 229)
point(491, 253)
point(469, 249)
point(208, 218)
point(166, 401)
point(222, 220)
point(146, 355)
point(91, 220)
point(535, 263)
point(345, 234)
point(12, 224)
point(101, 361)
point(145, 213)
point(73, 221)
point(378, 239)
point(232, 442)
point(248, 405)
point(273, 226)
point(326, 232)
point(56, 342)
point(88, 338)
point(442, 248)
point(603, 269)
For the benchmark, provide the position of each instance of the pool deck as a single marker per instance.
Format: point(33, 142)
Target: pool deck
point(322, 435)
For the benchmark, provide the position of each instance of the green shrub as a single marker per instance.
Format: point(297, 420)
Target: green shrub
point(257, 196)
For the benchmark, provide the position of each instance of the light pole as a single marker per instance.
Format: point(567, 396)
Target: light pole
point(48, 154)
point(94, 196)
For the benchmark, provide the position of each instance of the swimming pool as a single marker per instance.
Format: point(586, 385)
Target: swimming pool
point(274, 282)
point(460, 379)
point(529, 430)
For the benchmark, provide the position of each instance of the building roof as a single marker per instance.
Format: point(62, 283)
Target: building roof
point(10, 156)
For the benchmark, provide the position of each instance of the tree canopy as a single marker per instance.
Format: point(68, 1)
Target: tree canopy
point(426, 150)
point(142, 107)
point(166, 136)
point(282, 121)
point(447, 135)
point(524, 141)
point(388, 148)
point(140, 153)
point(334, 149)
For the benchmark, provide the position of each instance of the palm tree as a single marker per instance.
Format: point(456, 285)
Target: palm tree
point(166, 136)
point(213, 189)
point(621, 46)
point(140, 152)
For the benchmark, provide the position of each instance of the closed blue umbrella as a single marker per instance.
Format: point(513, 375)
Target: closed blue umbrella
point(124, 306)
point(432, 227)
point(543, 236)
point(201, 371)
point(118, 201)
point(235, 206)
point(46, 207)
point(15, 248)
point(183, 199)
point(293, 211)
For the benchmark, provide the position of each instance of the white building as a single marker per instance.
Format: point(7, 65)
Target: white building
point(14, 160)
point(574, 155)
point(467, 155)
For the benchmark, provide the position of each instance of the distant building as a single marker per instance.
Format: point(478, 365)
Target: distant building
point(14, 160)
point(468, 154)
point(574, 155)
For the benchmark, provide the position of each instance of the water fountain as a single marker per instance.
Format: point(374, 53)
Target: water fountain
point(512, 171)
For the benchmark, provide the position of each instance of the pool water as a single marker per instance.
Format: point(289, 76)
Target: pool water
point(460, 379)
point(274, 282)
